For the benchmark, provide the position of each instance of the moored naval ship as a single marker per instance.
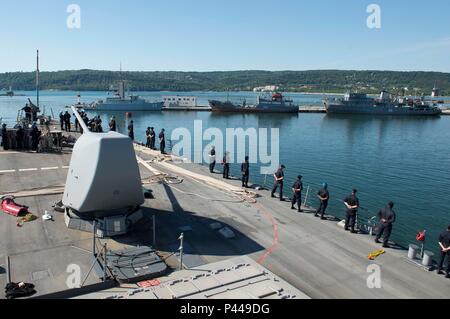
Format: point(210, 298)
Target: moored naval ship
point(386, 104)
point(277, 103)
point(10, 93)
point(121, 102)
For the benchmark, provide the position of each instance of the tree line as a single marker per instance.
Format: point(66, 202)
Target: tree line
point(291, 81)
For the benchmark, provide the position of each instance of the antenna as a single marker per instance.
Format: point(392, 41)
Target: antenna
point(37, 78)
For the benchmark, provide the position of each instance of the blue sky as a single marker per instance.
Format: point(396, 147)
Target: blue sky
point(200, 35)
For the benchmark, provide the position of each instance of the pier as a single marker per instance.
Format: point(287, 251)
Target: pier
point(312, 109)
point(204, 108)
point(302, 109)
point(316, 257)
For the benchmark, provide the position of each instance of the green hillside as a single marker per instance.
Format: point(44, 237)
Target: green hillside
point(295, 81)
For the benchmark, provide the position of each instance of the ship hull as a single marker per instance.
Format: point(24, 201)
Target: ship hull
point(227, 107)
point(380, 110)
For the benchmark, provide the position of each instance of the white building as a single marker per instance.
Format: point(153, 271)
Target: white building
point(267, 88)
point(180, 101)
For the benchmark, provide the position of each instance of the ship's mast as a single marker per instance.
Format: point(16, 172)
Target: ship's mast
point(121, 88)
point(37, 78)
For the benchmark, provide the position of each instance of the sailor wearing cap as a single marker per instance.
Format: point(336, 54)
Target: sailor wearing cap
point(162, 141)
point(147, 134)
point(279, 181)
point(323, 196)
point(4, 134)
point(152, 138)
point(112, 124)
point(352, 204)
point(297, 193)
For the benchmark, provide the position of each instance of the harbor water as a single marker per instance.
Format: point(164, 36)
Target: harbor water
point(403, 159)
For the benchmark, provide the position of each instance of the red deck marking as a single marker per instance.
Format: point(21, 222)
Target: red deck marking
point(149, 283)
point(276, 236)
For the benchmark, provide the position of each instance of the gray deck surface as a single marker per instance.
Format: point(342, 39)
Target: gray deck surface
point(317, 257)
point(236, 278)
point(40, 251)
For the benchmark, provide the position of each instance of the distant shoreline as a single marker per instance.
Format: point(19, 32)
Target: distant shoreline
point(22, 93)
point(175, 92)
point(302, 82)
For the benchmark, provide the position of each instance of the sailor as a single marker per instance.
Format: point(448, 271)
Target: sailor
point(98, 124)
point(279, 181)
point(112, 124)
point(34, 111)
point(76, 123)
point(20, 134)
point(131, 130)
point(61, 120)
point(352, 204)
point(444, 248)
point(226, 165)
point(162, 141)
point(91, 124)
point(85, 120)
point(27, 110)
point(147, 134)
point(5, 141)
point(94, 124)
point(152, 138)
point(297, 194)
point(212, 159)
point(387, 218)
point(245, 170)
point(35, 134)
point(67, 121)
point(323, 196)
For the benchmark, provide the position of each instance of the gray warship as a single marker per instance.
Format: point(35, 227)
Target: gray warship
point(386, 104)
point(277, 103)
point(121, 102)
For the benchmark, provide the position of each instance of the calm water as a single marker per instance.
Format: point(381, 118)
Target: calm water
point(406, 160)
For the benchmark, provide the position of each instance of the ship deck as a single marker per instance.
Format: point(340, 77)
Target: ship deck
point(316, 257)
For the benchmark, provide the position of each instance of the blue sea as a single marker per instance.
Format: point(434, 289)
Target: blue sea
point(403, 159)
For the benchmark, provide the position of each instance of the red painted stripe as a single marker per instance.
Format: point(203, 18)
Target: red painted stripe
point(276, 236)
